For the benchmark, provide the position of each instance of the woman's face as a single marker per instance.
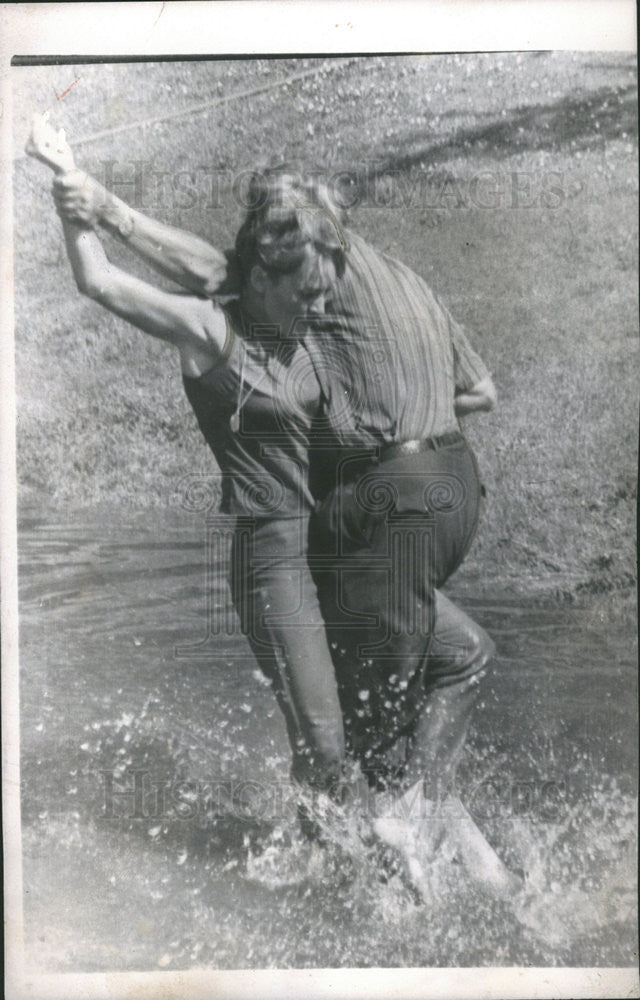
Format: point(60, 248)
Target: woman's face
point(290, 300)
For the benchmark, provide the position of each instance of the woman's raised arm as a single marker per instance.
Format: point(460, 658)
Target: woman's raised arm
point(175, 253)
point(197, 327)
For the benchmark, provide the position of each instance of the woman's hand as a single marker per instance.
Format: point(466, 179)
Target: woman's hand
point(79, 198)
point(49, 146)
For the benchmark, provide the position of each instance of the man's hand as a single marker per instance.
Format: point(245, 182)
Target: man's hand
point(79, 198)
point(49, 146)
point(481, 397)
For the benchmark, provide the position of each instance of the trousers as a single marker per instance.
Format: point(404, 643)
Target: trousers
point(382, 545)
point(345, 617)
point(277, 603)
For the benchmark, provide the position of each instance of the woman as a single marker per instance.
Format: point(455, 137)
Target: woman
point(253, 389)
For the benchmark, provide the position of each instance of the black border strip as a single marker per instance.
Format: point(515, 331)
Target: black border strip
point(204, 57)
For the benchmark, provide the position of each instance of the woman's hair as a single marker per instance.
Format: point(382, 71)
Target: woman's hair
point(288, 213)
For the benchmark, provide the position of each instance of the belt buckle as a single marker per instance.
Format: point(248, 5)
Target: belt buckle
point(412, 447)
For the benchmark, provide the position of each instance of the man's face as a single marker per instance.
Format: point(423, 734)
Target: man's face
point(290, 299)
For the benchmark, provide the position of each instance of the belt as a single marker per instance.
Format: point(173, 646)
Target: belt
point(390, 451)
point(357, 467)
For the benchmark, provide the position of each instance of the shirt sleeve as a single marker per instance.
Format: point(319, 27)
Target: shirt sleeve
point(468, 367)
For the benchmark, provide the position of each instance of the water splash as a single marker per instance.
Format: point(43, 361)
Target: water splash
point(580, 873)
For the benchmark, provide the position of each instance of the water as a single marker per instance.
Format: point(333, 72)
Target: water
point(200, 863)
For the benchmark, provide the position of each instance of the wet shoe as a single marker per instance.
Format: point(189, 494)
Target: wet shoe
point(438, 833)
point(403, 839)
point(319, 818)
point(408, 826)
point(484, 867)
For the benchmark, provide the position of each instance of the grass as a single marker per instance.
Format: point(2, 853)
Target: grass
point(507, 180)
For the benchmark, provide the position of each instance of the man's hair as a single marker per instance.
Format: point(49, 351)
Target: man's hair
point(289, 213)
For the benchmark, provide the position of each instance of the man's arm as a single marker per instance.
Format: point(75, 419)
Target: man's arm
point(480, 397)
point(474, 389)
point(175, 253)
point(179, 255)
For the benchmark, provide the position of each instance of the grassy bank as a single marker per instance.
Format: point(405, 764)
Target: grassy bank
point(509, 181)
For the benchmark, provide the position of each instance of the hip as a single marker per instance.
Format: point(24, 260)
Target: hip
point(441, 482)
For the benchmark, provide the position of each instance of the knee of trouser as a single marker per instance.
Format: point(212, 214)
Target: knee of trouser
point(485, 647)
point(480, 648)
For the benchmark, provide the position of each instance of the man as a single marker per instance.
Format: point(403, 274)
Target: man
point(397, 508)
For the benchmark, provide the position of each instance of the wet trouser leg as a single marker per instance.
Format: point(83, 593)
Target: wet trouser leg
point(398, 533)
point(279, 612)
point(459, 652)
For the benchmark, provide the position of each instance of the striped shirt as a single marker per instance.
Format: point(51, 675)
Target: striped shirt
point(389, 357)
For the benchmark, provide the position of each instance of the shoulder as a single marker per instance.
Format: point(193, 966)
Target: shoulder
point(215, 343)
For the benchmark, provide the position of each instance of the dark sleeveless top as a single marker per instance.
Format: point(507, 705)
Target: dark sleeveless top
point(265, 462)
